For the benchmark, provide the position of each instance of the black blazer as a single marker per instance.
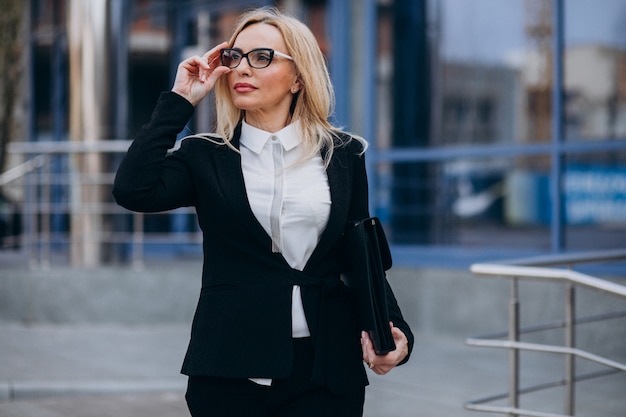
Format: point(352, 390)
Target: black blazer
point(242, 324)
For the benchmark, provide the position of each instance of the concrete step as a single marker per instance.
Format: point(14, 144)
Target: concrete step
point(103, 370)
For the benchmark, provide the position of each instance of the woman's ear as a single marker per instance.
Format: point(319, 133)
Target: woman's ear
point(296, 86)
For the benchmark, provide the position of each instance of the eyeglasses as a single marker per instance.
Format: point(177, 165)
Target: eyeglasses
point(257, 58)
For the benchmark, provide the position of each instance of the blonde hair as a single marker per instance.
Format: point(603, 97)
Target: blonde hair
point(312, 105)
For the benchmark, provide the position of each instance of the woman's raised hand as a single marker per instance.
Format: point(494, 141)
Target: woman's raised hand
point(197, 75)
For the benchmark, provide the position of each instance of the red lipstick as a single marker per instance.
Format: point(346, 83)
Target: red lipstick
point(244, 87)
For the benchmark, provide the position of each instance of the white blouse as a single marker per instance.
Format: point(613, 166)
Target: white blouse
point(289, 197)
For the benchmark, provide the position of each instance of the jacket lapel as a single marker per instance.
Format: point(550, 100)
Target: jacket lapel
point(234, 189)
point(340, 182)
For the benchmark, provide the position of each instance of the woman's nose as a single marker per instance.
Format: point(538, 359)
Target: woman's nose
point(244, 66)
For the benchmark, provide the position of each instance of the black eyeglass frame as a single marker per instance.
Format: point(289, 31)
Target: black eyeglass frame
point(270, 51)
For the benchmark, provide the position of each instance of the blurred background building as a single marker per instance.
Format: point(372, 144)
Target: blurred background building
point(497, 128)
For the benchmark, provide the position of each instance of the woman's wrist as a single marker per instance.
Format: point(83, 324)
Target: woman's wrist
point(183, 95)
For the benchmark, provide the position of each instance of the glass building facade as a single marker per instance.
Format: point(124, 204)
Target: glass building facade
point(497, 128)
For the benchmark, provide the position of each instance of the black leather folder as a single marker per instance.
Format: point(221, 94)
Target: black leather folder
point(369, 258)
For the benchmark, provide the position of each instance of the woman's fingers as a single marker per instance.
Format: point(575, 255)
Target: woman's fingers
point(213, 66)
point(212, 57)
point(368, 349)
point(197, 75)
point(381, 364)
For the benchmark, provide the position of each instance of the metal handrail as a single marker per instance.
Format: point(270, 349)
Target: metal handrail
point(566, 275)
point(69, 147)
point(34, 179)
point(19, 171)
point(527, 269)
point(607, 255)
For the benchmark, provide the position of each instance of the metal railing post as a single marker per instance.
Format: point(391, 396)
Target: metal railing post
point(138, 240)
point(514, 352)
point(45, 211)
point(30, 218)
point(570, 342)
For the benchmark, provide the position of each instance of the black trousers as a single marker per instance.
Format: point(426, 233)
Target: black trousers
point(296, 396)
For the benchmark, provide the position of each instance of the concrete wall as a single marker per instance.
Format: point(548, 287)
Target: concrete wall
point(165, 293)
point(443, 301)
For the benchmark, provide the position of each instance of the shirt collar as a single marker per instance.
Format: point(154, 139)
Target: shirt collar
point(255, 139)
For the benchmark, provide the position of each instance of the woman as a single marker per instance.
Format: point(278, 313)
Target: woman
point(273, 333)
